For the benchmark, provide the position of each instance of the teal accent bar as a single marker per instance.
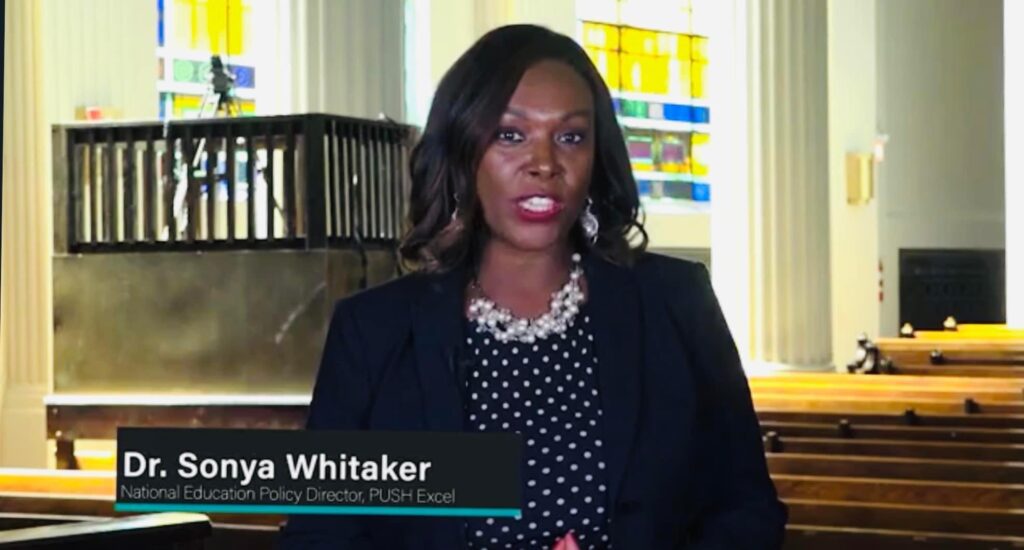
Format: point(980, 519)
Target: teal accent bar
point(300, 509)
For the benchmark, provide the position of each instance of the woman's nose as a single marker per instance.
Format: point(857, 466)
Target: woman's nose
point(543, 163)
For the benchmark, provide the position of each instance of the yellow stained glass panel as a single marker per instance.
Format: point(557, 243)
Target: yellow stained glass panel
point(214, 26)
point(657, 75)
point(699, 48)
point(697, 71)
point(639, 41)
point(598, 35)
point(668, 44)
point(607, 63)
point(632, 78)
point(685, 47)
point(679, 78)
point(699, 161)
point(187, 105)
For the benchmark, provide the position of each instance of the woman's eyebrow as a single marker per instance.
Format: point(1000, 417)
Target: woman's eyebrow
point(586, 112)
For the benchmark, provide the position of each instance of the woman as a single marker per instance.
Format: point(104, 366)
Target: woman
point(615, 365)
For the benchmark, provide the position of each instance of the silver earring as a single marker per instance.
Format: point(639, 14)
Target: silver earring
point(589, 222)
point(455, 211)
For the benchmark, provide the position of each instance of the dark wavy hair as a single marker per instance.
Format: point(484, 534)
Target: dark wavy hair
point(463, 119)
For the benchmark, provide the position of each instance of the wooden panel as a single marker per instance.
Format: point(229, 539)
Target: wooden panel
point(900, 491)
point(895, 467)
point(915, 518)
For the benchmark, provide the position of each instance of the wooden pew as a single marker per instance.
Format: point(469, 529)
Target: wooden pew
point(72, 416)
point(960, 351)
point(881, 404)
point(970, 331)
point(945, 519)
point(901, 491)
point(249, 531)
point(968, 354)
point(909, 449)
point(918, 348)
point(908, 417)
point(975, 371)
point(30, 495)
point(897, 462)
point(846, 429)
point(949, 382)
point(989, 330)
point(69, 504)
point(853, 387)
point(890, 467)
point(816, 537)
point(15, 520)
point(58, 482)
point(166, 531)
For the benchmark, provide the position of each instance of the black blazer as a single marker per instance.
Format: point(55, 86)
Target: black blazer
point(685, 459)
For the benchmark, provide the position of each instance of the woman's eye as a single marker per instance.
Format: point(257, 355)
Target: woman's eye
point(572, 138)
point(510, 136)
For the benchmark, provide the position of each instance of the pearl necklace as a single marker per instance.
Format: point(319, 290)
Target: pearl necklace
point(499, 321)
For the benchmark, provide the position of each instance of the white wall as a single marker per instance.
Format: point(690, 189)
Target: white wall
point(852, 115)
point(940, 100)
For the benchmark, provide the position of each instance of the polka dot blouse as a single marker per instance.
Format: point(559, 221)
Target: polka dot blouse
point(546, 391)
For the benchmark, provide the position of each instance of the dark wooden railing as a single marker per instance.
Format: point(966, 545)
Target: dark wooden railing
point(298, 181)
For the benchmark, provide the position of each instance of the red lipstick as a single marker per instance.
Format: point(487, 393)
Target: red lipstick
point(538, 208)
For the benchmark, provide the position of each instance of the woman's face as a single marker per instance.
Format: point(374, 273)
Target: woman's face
point(534, 175)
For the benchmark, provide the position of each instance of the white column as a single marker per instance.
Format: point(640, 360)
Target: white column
point(1013, 109)
point(347, 57)
point(788, 171)
point(26, 291)
point(730, 152)
point(852, 128)
point(100, 52)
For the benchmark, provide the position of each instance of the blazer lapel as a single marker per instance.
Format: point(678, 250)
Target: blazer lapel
point(616, 316)
point(437, 339)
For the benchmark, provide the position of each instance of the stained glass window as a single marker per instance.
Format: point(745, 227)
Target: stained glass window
point(653, 56)
point(189, 32)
